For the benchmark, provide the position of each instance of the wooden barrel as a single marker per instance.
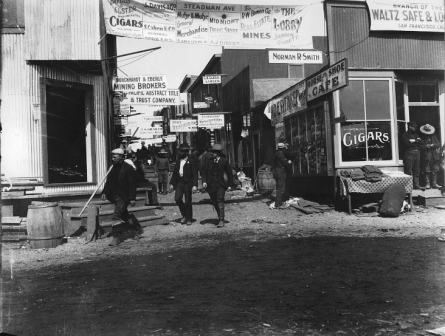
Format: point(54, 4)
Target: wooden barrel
point(44, 225)
point(266, 182)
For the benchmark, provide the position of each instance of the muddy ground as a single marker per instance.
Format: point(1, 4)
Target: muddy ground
point(268, 272)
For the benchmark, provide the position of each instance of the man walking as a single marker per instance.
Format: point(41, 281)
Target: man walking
point(120, 189)
point(217, 178)
point(411, 160)
point(162, 167)
point(185, 181)
point(280, 166)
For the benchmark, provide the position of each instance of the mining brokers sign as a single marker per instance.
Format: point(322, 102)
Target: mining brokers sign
point(329, 80)
point(145, 90)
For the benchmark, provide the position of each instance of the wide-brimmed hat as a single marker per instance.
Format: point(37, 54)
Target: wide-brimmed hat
point(119, 151)
point(162, 151)
point(427, 129)
point(216, 147)
point(184, 146)
point(281, 145)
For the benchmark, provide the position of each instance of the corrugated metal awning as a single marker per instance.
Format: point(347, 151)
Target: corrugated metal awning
point(267, 88)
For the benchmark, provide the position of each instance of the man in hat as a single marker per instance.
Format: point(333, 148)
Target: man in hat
point(429, 156)
point(281, 164)
point(411, 159)
point(120, 189)
point(141, 181)
point(162, 167)
point(217, 178)
point(185, 181)
point(290, 157)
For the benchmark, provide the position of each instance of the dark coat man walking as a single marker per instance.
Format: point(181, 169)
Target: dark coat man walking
point(281, 165)
point(185, 181)
point(217, 178)
point(411, 159)
point(120, 189)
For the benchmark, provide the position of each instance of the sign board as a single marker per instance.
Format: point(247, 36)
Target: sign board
point(329, 80)
point(151, 130)
point(153, 119)
point(198, 105)
point(169, 138)
point(150, 97)
point(290, 102)
point(410, 16)
point(184, 125)
point(153, 141)
point(211, 79)
point(296, 57)
point(211, 121)
point(140, 83)
point(120, 121)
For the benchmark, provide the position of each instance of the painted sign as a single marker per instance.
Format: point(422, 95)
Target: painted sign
point(169, 138)
point(184, 125)
point(152, 141)
point(295, 57)
point(211, 121)
point(422, 17)
point(151, 130)
point(153, 119)
point(211, 23)
point(291, 101)
point(211, 79)
point(329, 80)
point(199, 105)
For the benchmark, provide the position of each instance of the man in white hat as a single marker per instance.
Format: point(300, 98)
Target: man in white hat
point(281, 165)
point(429, 156)
point(217, 178)
point(120, 189)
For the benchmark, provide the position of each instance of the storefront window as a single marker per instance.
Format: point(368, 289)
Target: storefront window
point(366, 135)
point(308, 141)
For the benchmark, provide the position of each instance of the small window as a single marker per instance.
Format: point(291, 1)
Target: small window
point(422, 93)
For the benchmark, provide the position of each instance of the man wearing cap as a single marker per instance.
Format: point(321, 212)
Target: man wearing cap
point(162, 167)
point(411, 159)
point(185, 181)
point(217, 178)
point(281, 165)
point(120, 189)
point(429, 156)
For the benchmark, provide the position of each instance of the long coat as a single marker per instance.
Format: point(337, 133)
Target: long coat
point(223, 169)
point(126, 183)
point(189, 174)
point(432, 153)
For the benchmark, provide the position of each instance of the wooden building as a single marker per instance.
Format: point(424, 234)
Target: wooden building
point(55, 96)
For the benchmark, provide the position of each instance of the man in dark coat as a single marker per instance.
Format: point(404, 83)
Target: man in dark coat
point(120, 189)
point(411, 160)
point(217, 178)
point(429, 156)
point(185, 181)
point(281, 165)
point(141, 181)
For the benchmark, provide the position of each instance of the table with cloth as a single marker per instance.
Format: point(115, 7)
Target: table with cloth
point(349, 186)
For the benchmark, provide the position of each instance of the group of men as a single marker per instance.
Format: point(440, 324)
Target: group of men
point(126, 175)
point(422, 155)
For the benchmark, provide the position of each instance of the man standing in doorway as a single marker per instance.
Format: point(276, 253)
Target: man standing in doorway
point(280, 166)
point(120, 189)
point(185, 181)
point(217, 178)
point(411, 160)
point(429, 156)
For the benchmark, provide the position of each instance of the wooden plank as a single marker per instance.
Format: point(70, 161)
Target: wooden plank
point(14, 237)
point(8, 210)
point(11, 220)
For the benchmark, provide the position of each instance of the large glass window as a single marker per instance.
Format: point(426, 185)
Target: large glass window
point(366, 135)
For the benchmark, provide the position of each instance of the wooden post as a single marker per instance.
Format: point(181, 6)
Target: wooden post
point(92, 220)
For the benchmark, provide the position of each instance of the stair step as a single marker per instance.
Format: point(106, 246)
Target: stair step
point(142, 221)
point(14, 237)
point(76, 211)
point(98, 202)
point(14, 228)
point(15, 220)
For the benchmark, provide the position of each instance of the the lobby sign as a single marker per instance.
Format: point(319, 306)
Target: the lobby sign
point(327, 81)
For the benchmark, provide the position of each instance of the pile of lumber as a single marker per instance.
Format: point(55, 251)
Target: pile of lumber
point(14, 229)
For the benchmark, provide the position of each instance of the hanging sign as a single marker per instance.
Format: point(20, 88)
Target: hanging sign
point(153, 119)
point(211, 79)
point(211, 121)
point(392, 15)
point(295, 57)
point(151, 130)
point(228, 25)
point(199, 105)
point(329, 80)
point(184, 125)
point(169, 138)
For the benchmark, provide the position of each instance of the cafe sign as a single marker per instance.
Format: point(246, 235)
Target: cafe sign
point(327, 81)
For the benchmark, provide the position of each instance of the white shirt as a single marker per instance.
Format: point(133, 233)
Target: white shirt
point(181, 166)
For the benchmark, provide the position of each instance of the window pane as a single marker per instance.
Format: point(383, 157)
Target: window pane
point(351, 101)
point(377, 100)
point(378, 136)
point(400, 102)
point(414, 93)
point(429, 93)
point(353, 145)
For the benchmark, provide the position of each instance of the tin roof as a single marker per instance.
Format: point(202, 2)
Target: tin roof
point(266, 88)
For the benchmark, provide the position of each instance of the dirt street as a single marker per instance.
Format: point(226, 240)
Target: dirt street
point(268, 272)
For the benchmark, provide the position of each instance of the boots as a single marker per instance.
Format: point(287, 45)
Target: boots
point(427, 181)
point(164, 185)
point(221, 215)
point(434, 181)
point(416, 182)
point(159, 188)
